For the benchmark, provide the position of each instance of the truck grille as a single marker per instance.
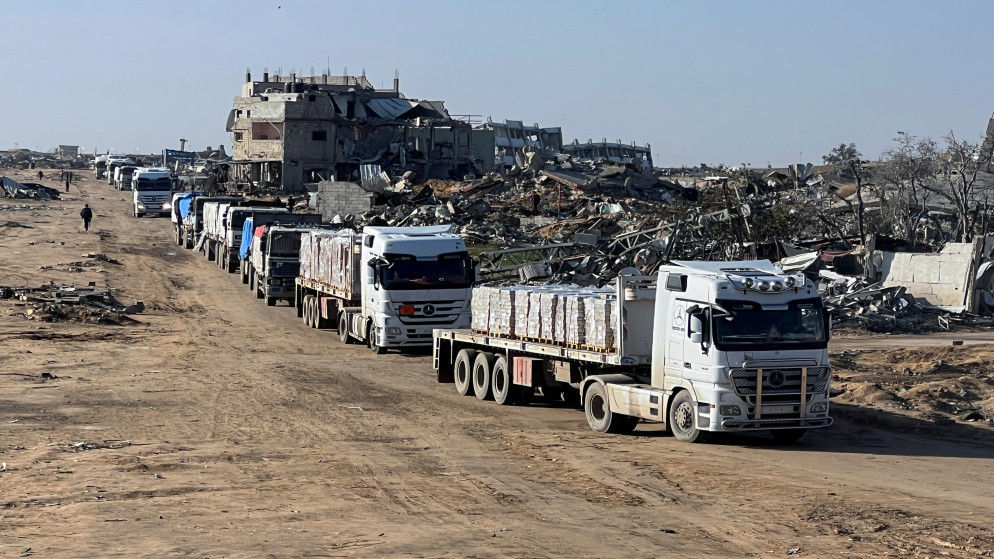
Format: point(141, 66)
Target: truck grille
point(284, 269)
point(780, 386)
point(431, 312)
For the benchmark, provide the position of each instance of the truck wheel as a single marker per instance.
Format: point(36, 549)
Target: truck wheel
point(482, 366)
point(343, 329)
point(464, 371)
point(312, 312)
point(243, 274)
point(683, 418)
point(787, 436)
point(270, 301)
point(306, 309)
point(179, 237)
point(506, 393)
point(372, 342)
point(597, 408)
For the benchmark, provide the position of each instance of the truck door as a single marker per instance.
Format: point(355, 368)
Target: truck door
point(676, 333)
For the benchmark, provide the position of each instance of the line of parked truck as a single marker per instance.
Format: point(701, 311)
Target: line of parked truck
point(700, 347)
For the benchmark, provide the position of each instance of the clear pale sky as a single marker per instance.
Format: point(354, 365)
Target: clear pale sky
point(717, 82)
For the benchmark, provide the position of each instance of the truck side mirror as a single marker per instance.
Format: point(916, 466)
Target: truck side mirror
point(696, 328)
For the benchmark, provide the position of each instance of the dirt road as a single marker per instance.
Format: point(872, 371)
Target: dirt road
point(218, 427)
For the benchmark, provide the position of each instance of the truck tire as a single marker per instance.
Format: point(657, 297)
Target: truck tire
point(597, 408)
point(787, 436)
point(482, 366)
point(343, 329)
point(270, 301)
point(463, 371)
point(372, 342)
point(306, 307)
point(243, 273)
point(179, 237)
point(312, 312)
point(506, 393)
point(683, 418)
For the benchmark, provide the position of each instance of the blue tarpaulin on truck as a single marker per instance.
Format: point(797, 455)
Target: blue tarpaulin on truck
point(247, 230)
point(184, 203)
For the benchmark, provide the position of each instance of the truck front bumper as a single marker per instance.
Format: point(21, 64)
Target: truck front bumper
point(779, 423)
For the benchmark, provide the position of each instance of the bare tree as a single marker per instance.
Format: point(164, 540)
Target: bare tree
point(911, 165)
point(957, 170)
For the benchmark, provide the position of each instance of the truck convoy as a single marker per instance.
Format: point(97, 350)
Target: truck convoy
point(270, 256)
point(389, 287)
point(112, 163)
point(191, 224)
point(223, 223)
point(152, 190)
point(702, 347)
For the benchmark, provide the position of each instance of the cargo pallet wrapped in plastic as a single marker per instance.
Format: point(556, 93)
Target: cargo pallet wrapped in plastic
point(600, 315)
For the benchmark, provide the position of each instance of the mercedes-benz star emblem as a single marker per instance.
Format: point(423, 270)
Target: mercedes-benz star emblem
point(777, 379)
point(428, 310)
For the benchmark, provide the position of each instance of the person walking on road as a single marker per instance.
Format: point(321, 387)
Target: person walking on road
point(87, 214)
point(67, 183)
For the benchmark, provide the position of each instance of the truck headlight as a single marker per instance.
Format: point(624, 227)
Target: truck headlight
point(393, 331)
point(730, 410)
point(141, 206)
point(819, 407)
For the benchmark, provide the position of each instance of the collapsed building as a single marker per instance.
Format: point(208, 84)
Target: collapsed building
point(289, 131)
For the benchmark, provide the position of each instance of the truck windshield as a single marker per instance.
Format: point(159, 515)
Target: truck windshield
point(159, 185)
point(801, 326)
point(449, 271)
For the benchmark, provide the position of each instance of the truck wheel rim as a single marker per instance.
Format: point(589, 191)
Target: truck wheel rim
point(598, 407)
point(684, 419)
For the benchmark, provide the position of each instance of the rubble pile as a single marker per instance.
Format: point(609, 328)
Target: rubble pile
point(554, 219)
point(65, 303)
point(14, 189)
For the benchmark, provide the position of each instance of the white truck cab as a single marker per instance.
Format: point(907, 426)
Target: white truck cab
point(740, 346)
point(414, 279)
point(152, 189)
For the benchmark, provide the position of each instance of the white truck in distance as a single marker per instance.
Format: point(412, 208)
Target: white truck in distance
point(389, 287)
point(112, 163)
point(152, 190)
point(702, 347)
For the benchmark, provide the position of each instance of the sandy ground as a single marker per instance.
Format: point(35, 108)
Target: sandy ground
point(215, 426)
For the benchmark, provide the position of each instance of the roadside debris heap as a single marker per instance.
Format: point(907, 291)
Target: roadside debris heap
point(65, 303)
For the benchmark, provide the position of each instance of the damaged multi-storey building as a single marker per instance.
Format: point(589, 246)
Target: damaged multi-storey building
point(512, 138)
point(609, 151)
point(290, 131)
